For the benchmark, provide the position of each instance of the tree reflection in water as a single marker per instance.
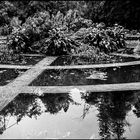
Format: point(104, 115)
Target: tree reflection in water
point(28, 105)
point(113, 108)
point(56, 102)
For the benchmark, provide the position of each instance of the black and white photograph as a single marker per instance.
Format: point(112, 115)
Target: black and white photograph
point(70, 69)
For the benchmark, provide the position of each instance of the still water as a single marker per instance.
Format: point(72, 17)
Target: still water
point(68, 77)
point(7, 75)
point(74, 115)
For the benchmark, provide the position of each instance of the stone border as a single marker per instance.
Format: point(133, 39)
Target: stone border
point(90, 88)
point(32, 54)
point(92, 66)
point(15, 66)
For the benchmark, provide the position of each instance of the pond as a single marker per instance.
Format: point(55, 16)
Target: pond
point(7, 75)
point(68, 77)
point(112, 115)
point(21, 60)
point(84, 60)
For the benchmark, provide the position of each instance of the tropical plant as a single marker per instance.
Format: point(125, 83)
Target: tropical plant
point(64, 34)
point(105, 39)
point(41, 29)
point(22, 37)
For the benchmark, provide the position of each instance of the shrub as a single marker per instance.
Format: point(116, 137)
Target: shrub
point(35, 28)
point(42, 31)
point(59, 35)
point(106, 39)
point(5, 30)
point(58, 43)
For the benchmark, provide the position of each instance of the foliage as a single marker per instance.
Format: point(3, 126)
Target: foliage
point(28, 105)
point(42, 32)
point(105, 39)
point(113, 108)
point(95, 10)
point(121, 12)
point(7, 11)
point(25, 9)
point(109, 12)
point(5, 30)
point(38, 27)
point(33, 29)
point(58, 43)
point(62, 34)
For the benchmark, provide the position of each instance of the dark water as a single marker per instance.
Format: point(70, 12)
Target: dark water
point(67, 77)
point(91, 116)
point(83, 60)
point(7, 75)
point(22, 60)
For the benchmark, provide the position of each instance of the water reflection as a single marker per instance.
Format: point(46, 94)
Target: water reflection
point(68, 77)
point(112, 107)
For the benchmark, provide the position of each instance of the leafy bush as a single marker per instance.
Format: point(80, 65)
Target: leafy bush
point(5, 30)
point(35, 28)
point(63, 34)
point(58, 43)
point(74, 21)
point(105, 39)
point(7, 11)
point(42, 32)
point(10, 58)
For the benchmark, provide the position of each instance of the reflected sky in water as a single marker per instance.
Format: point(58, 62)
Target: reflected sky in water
point(73, 115)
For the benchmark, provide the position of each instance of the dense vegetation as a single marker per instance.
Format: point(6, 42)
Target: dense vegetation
point(113, 109)
point(65, 27)
point(61, 34)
